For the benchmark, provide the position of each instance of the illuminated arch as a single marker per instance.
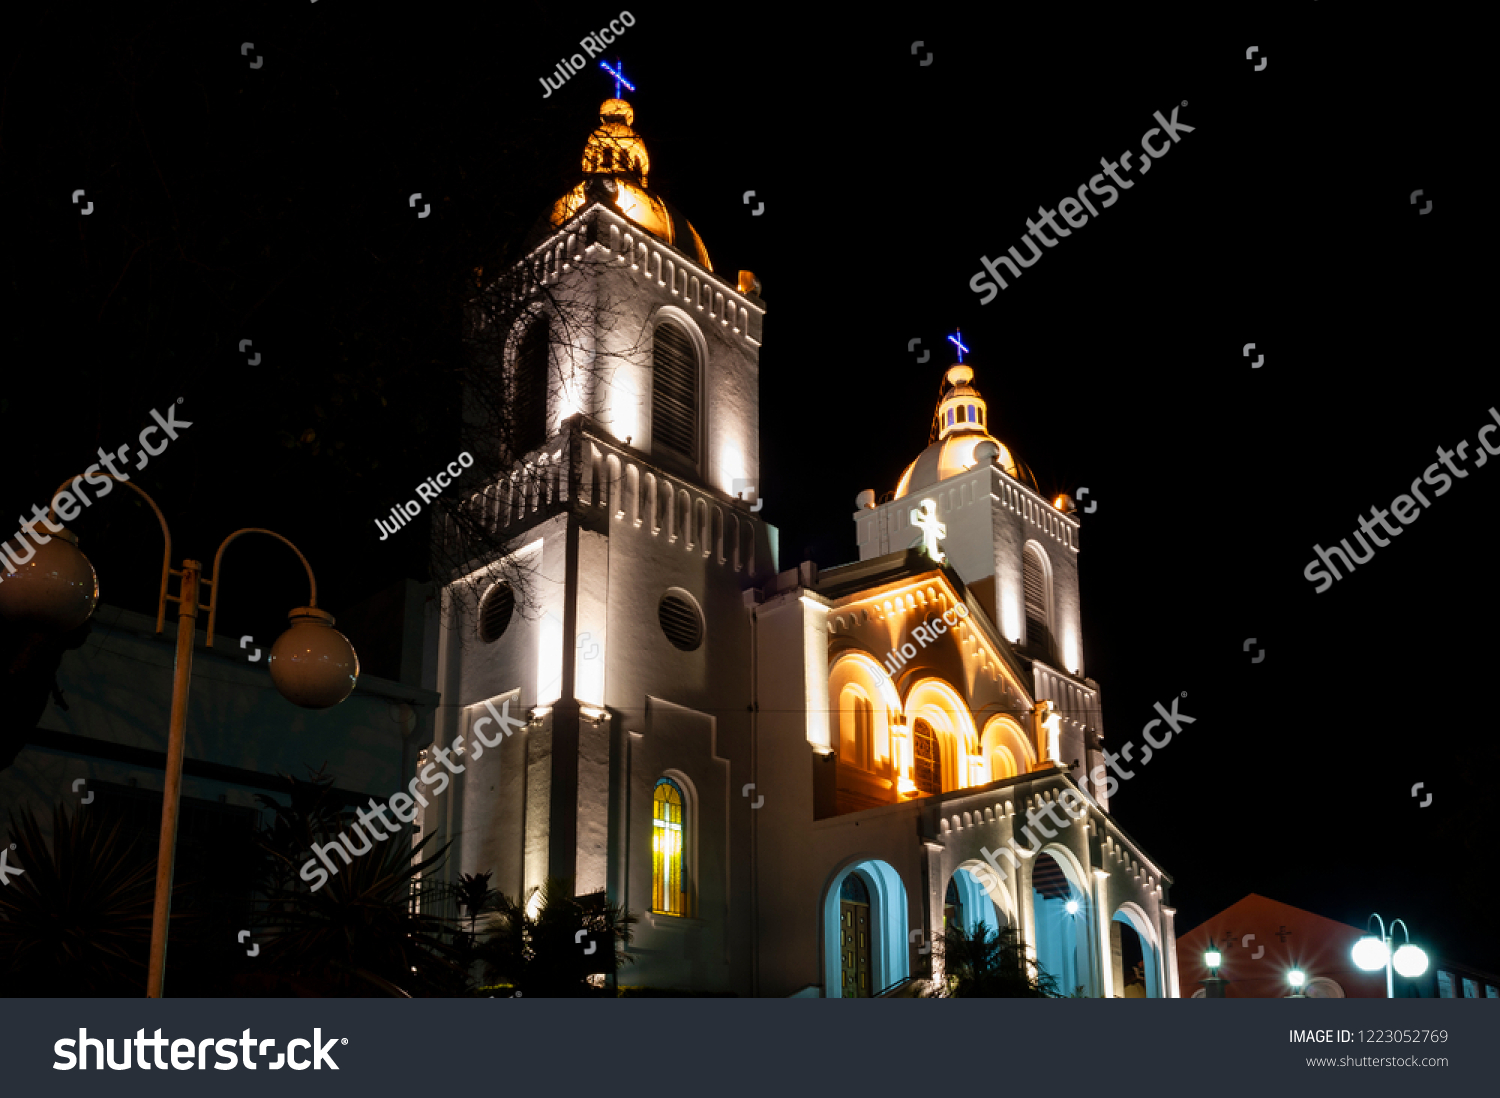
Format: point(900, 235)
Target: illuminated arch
point(996, 888)
point(1007, 751)
point(861, 671)
point(1064, 941)
point(1134, 917)
point(945, 711)
point(979, 907)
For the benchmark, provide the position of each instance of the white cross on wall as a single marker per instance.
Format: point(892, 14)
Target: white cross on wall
point(925, 519)
point(1050, 723)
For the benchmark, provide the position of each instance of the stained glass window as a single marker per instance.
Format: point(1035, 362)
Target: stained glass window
point(853, 890)
point(668, 883)
point(925, 760)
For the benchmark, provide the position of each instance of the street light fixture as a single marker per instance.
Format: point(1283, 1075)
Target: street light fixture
point(311, 664)
point(1213, 986)
point(1297, 978)
point(1371, 954)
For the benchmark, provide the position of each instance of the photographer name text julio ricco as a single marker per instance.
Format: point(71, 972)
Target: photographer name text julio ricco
point(403, 513)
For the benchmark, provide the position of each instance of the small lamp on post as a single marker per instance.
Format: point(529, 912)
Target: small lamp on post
point(1297, 979)
point(311, 664)
point(1213, 986)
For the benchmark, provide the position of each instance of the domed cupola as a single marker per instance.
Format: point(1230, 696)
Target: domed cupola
point(962, 423)
point(615, 167)
point(961, 408)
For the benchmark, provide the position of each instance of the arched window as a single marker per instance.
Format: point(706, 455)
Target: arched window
point(926, 761)
point(668, 849)
point(857, 727)
point(1038, 600)
point(674, 392)
point(530, 392)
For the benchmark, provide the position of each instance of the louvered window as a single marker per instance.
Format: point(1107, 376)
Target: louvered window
point(674, 392)
point(495, 610)
point(531, 388)
point(680, 621)
point(1034, 579)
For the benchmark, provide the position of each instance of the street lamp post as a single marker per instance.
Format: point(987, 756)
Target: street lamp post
point(1371, 953)
point(1213, 986)
point(311, 664)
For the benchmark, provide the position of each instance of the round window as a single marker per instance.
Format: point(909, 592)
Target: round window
point(495, 610)
point(680, 620)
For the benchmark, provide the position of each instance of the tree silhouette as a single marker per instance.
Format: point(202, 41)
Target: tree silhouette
point(979, 962)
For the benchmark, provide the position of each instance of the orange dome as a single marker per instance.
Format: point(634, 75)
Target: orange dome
point(616, 156)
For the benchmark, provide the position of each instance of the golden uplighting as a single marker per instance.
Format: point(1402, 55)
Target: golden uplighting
point(616, 151)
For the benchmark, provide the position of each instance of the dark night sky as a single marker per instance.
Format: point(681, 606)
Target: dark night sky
point(1114, 364)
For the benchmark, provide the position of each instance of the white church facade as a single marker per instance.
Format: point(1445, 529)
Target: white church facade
point(794, 778)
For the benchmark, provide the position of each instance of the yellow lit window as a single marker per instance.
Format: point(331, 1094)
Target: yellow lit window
point(668, 885)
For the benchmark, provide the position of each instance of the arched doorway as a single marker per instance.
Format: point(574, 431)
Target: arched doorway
point(1062, 914)
point(1135, 958)
point(1128, 959)
point(879, 897)
point(967, 904)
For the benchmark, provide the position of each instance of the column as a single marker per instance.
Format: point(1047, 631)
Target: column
point(1168, 932)
point(1101, 935)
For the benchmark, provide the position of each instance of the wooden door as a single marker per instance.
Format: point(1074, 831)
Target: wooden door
point(854, 938)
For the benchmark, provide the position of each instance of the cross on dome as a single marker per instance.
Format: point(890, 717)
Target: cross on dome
point(618, 72)
point(958, 342)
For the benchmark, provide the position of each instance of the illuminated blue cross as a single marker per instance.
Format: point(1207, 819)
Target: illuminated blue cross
point(959, 343)
point(618, 72)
